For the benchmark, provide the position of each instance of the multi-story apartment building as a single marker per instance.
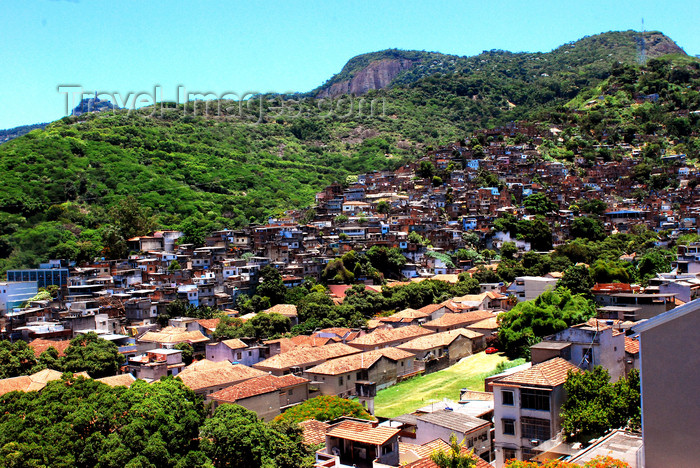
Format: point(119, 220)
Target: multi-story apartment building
point(526, 409)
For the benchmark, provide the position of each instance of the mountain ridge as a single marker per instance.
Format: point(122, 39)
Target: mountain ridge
point(386, 68)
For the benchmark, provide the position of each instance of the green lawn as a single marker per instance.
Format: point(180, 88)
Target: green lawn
point(414, 393)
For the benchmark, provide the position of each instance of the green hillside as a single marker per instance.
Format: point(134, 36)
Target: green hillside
point(65, 188)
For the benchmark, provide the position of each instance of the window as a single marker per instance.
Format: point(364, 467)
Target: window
point(534, 399)
point(508, 426)
point(340, 381)
point(387, 448)
point(357, 377)
point(508, 397)
point(529, 453)
point(508, 453)
point(534, 428)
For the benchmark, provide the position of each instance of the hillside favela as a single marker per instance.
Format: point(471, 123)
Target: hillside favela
point(472, 258)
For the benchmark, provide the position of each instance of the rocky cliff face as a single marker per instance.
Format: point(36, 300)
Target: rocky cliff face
point(376, 75)
point(657, 45)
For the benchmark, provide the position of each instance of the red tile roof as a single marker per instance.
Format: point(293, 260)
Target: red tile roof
point(428, 463)
point(551, 373)
point(204, 374)
point(314, 431)
point(302, 356)
point(40, 345)
point(359, 361)
point(463, 319)
point(364, 433)
point(384, 336)
point(438, 339)
point(28, 383)
point(631, 345)
point(256, 386)
point(209, 324)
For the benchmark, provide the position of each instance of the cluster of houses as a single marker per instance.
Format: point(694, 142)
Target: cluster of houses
point(517, 416)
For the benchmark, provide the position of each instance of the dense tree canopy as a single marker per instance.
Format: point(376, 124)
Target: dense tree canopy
point(528, 322)
point(235, 437)
point(77, 422)
point(595, 405)
point(89, 352)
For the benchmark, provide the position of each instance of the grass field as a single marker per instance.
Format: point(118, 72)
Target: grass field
point(419, 391)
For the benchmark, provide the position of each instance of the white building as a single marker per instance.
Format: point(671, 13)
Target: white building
point(526, 288)
point(526, 409)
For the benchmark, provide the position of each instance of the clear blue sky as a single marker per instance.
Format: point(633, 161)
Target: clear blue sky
point(131, 46)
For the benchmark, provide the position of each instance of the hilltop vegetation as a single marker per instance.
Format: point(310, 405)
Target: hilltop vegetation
point(85, 184)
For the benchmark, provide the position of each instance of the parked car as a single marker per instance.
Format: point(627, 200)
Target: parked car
point(491, 350)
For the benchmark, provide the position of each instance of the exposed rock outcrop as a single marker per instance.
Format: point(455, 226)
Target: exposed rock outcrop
point(376, 75)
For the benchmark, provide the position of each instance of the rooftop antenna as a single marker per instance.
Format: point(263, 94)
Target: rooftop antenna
point(642, 47)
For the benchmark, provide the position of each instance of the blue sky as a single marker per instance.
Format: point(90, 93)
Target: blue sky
point(131, 46)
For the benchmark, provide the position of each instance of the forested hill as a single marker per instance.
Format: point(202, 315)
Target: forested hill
point(393, 67)
point(65, 188)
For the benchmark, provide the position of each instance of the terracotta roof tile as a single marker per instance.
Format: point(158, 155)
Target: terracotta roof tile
point(428, 463)
point(359, 361)
point(303, 356)
point(438, 339)
point(234, 343)
point(631, 345)
point(550, 373)
point(209, 324)
point(463, 319)
point(388, 335)
point(314, 431)
point(430, 308)
point(28, 383)
point(288, 310)
point(40, 345)
point(124, 380)
point(203, 374)
point(256, 386)
point(173, 335)
point(364, 433)
point(412, 314)
point(490, 323)
point(309, 341)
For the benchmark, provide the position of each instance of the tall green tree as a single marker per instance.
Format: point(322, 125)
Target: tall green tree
point(529, 321)
point(90, 353)
point(595, 405)
point(455, 457)
point(271, 285)
point(540, 204)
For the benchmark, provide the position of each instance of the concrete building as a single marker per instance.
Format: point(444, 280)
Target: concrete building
point(526, 288)
point(585, 345)
point(526, 409)
point(670, 356)
point(382, 367)
point(13, 294)
point(50, 275)
point(234, 350)
point(156, 363)
point(424, 427)
point(360, 444)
